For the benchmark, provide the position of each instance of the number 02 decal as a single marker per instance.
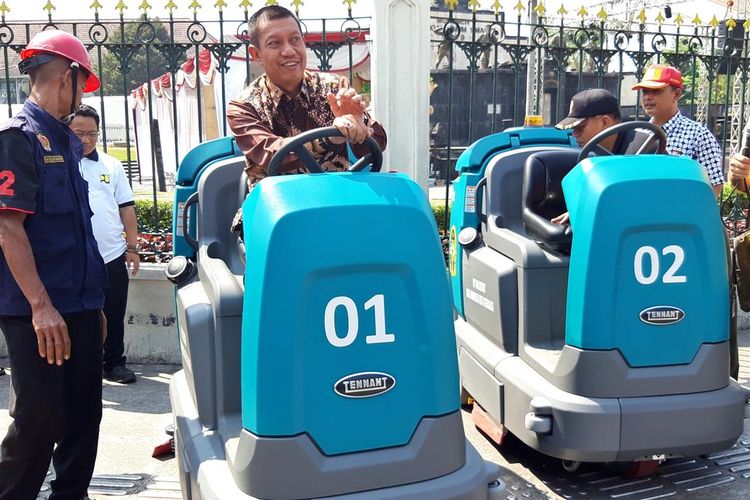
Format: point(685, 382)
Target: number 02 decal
point(650, 254)
point(376, 303)
point(7, 179)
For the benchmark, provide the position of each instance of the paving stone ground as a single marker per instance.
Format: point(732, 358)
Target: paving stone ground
point(135, 417)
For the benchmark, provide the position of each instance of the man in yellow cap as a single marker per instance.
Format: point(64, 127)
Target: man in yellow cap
point(52, 280)
point(661, 90)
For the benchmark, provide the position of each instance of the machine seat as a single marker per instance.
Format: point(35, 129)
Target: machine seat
point(543, 197)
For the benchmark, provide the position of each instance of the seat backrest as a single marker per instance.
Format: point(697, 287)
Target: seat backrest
point(188, 175)
point(543, 197)
point(503, 193)
point(218, 203)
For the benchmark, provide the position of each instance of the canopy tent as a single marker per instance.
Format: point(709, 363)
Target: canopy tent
point(154, 103)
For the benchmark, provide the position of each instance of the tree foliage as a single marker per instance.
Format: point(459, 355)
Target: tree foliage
point(692, 70)
point(138, 71)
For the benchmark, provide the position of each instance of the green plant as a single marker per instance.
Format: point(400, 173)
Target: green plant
point(141, 67)
point(732, 202)
point(144, 210)
point(438, 210)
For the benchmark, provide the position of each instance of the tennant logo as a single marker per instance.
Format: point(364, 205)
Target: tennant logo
point(364, 385)
point(662, 315)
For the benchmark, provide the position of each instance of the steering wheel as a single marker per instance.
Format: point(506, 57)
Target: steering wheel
point(297, 146)
point(655, 133)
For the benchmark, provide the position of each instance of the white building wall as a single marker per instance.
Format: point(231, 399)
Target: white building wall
point(400, 83)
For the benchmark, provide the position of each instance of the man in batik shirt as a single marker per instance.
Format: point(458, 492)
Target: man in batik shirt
point(288, 100)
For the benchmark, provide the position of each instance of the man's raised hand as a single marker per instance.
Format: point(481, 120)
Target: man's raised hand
point(346, 102)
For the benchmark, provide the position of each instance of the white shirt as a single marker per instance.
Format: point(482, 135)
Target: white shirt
point(108, 191)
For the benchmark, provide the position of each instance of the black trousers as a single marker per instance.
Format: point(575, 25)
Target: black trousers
point(115, 301)
point(734, 354)
point(56, 411)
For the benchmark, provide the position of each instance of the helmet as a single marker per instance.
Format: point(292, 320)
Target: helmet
point(62, 44)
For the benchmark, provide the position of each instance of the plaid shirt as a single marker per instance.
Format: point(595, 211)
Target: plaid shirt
point(686, 137)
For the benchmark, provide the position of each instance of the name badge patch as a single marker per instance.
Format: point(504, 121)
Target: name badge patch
point(54, 159)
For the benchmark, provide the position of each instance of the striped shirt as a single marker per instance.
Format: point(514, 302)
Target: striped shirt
point(686, 137)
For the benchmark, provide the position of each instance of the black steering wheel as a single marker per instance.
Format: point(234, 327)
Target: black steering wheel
point(655, 133)
point(297, 146)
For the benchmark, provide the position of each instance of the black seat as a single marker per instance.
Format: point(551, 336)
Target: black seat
point(543, 197)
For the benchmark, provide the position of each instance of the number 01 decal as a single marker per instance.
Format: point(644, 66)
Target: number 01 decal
point(376, 303)
point(650, 254)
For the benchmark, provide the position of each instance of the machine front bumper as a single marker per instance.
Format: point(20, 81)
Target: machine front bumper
point(205, 472)
point(573, 427)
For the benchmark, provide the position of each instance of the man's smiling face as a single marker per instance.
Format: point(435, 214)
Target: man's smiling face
point(281, 52)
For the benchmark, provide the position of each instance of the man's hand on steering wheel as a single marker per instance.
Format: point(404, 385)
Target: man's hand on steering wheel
point(353, 129)
point(655, 133)
point(297, 144)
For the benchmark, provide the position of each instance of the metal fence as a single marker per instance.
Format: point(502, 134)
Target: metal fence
point(491, 68)
point(166, 82)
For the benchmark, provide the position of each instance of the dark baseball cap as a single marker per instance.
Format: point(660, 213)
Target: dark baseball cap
point(591, 102)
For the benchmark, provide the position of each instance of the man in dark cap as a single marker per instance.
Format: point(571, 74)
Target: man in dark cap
point(591, 112)
point(595, 110)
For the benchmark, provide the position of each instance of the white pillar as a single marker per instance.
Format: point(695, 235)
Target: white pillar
point(400, 83)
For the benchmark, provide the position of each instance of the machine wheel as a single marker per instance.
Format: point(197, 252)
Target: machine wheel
point(571, 465)
point(641, 468)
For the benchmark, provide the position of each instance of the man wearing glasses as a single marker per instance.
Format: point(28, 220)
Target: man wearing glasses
point(595, 110)
point(112, 202)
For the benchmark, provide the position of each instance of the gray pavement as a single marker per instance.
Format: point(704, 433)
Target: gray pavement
point(133, 423)
point(135, 416)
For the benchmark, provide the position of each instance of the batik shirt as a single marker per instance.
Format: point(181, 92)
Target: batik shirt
point(686, 137)
point(264, 116)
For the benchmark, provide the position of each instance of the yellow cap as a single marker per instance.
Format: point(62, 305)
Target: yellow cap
point(533, 121)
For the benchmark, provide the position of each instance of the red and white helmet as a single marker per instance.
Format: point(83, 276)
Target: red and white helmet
point(59, 43)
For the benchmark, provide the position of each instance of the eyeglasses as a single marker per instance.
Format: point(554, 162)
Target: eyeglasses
point(86, 135)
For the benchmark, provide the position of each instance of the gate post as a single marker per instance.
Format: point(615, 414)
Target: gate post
point(400, 83)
